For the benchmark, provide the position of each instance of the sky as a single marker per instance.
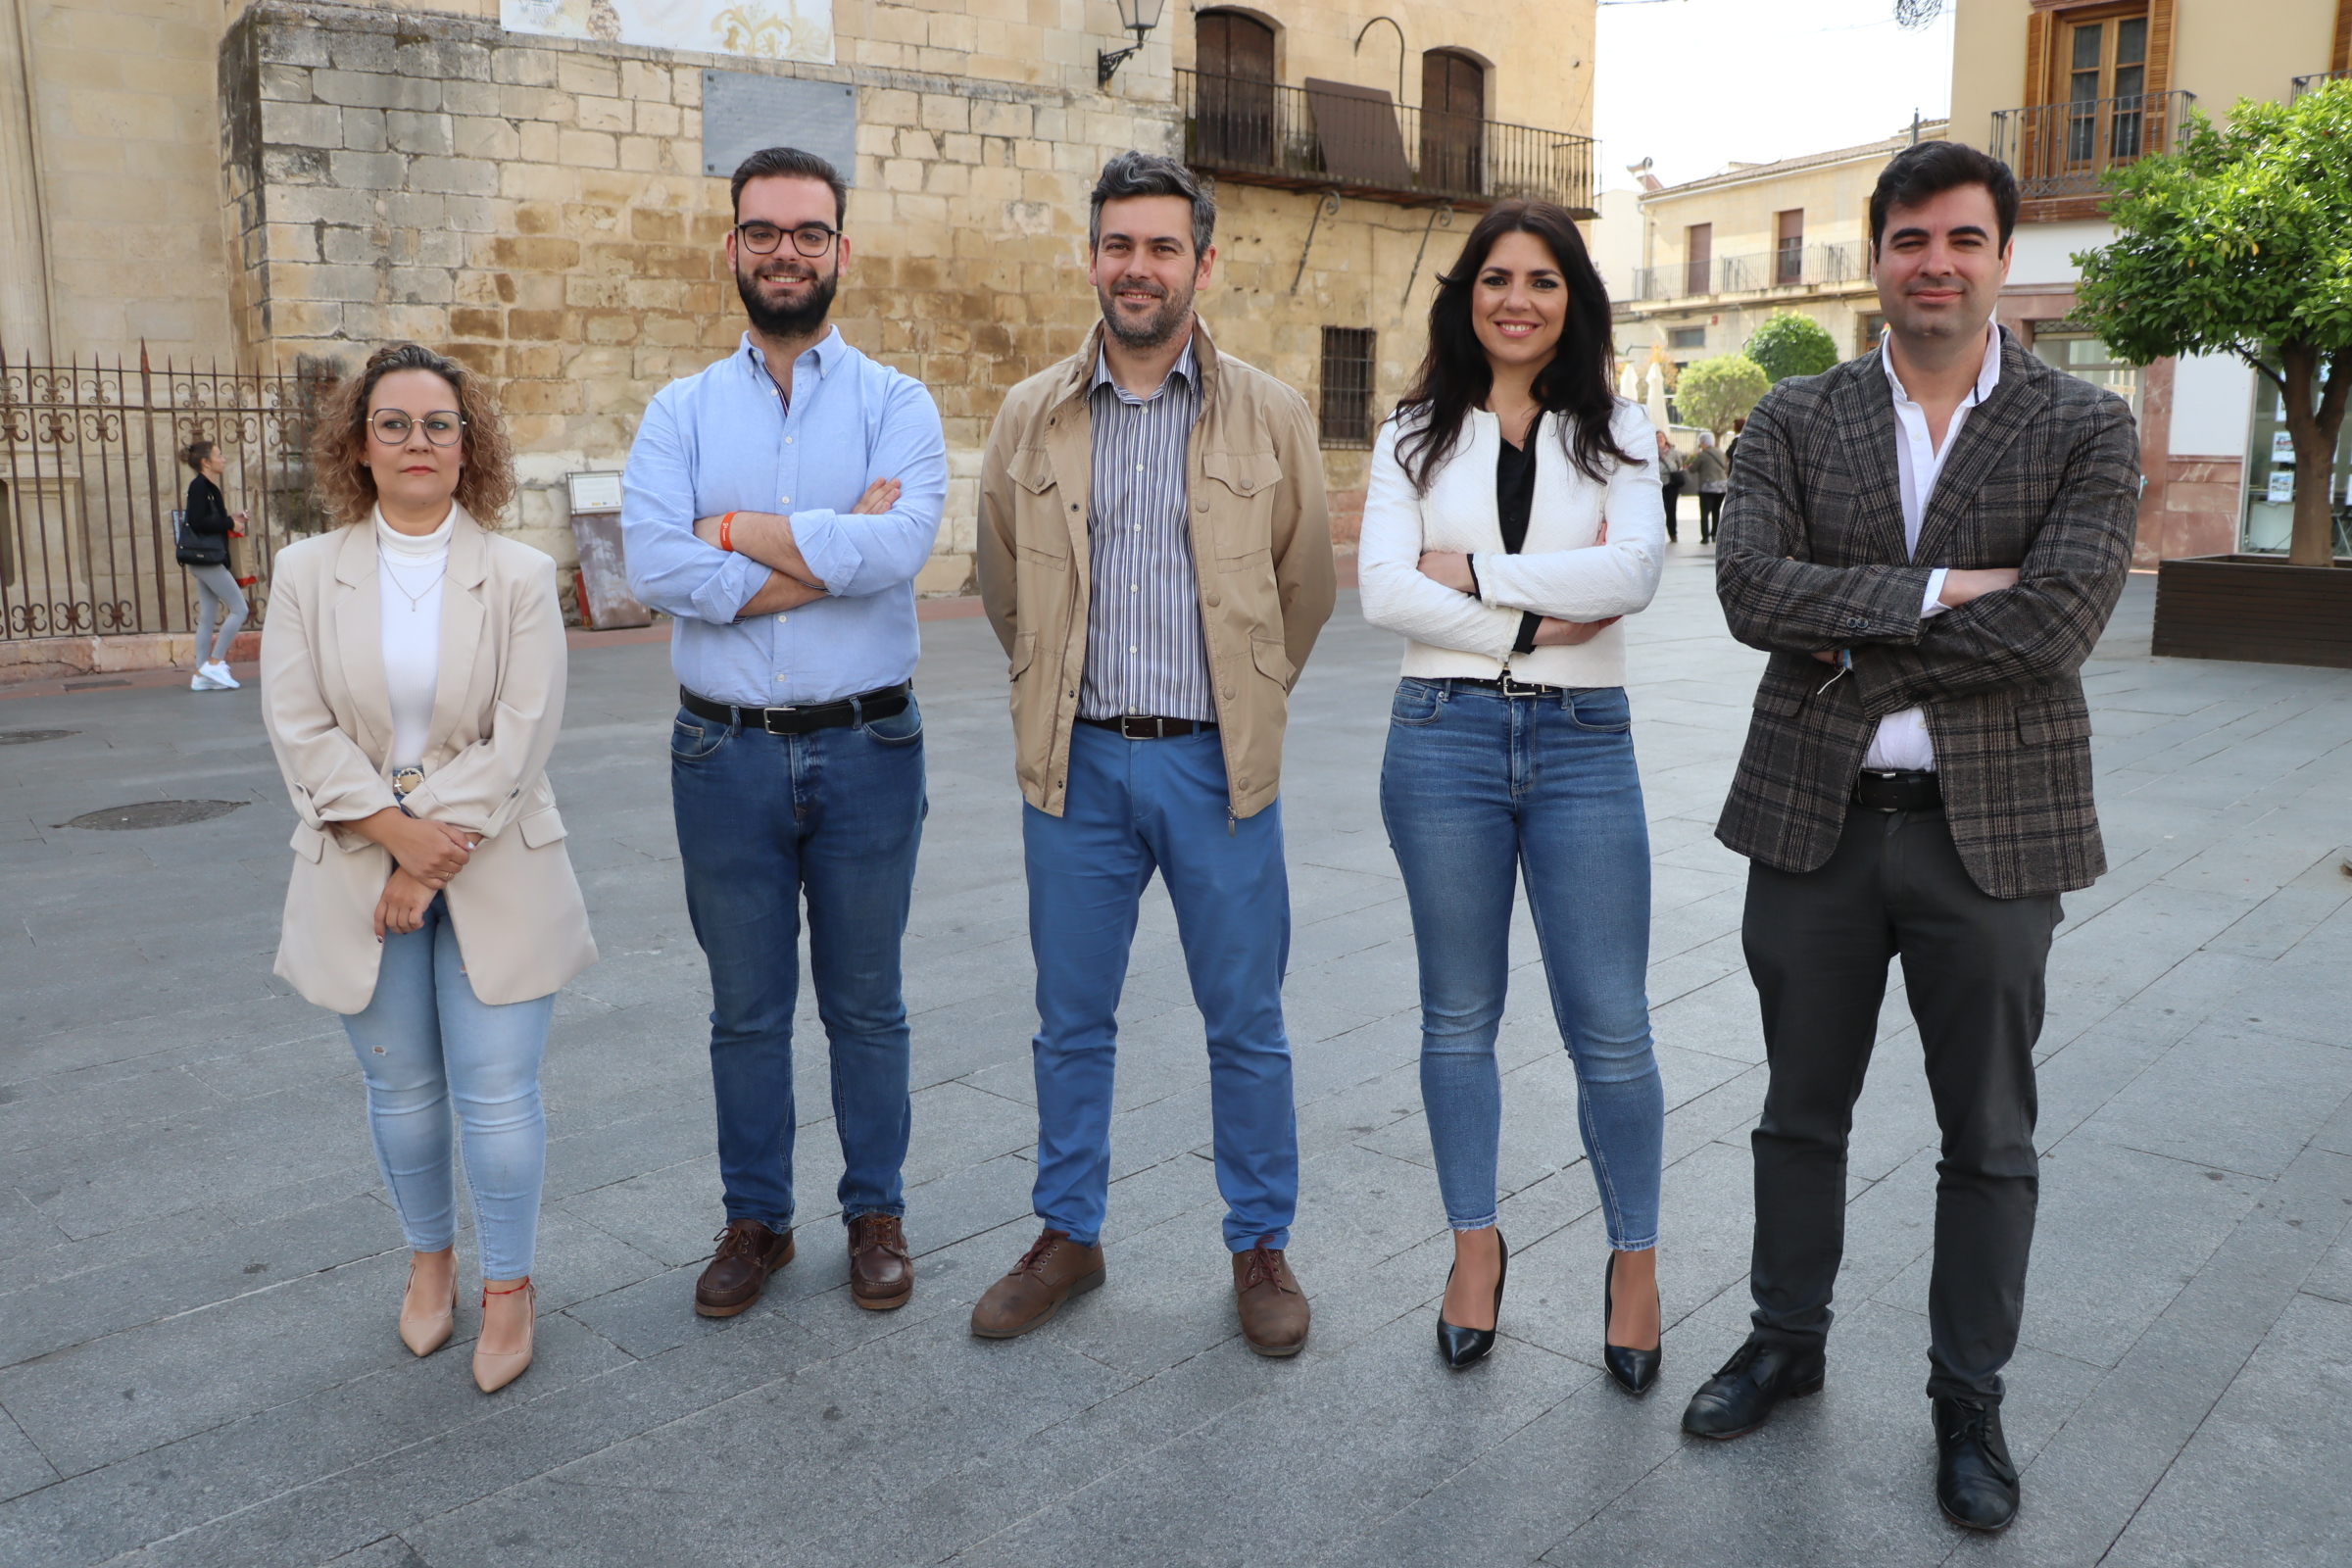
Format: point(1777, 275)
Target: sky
point(1700, 83)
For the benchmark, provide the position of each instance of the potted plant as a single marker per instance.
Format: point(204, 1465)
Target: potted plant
point(2234, 244)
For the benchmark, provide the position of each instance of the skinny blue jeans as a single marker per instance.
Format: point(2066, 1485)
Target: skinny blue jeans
point(835, 815)
point(1133, 807)
point(423, 1040)
point(1476, 790)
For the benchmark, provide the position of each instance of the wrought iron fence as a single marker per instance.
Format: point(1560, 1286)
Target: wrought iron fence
point(2314, 82)
point(90, 475)
point(1361, 142)
point(1789, 266)
point(2067, 149)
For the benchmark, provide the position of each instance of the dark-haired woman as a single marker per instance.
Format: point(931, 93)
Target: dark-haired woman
point(204, 553)
point(413, 685)
point(1514, 518)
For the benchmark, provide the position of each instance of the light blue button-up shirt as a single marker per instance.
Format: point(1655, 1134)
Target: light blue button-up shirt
point(725, 440)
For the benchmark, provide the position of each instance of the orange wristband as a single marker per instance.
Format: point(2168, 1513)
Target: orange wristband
point(726, 532)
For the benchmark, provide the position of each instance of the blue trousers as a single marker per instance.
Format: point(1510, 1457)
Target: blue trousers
point(424, 1040)
point(1133, 807)
point(836, 815)
point(1476, 790)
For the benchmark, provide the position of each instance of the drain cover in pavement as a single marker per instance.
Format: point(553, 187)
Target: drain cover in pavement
point(153, 813)
point(25, 737)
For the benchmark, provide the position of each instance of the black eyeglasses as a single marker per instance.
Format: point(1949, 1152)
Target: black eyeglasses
point(441, 427)
point(809, 239)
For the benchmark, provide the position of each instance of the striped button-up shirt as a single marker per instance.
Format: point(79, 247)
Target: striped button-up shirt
point(1145, 650)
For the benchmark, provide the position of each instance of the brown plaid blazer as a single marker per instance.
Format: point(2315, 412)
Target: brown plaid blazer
point(1810, 555)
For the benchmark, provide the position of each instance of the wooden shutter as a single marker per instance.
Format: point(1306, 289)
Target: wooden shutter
point(2340, 57)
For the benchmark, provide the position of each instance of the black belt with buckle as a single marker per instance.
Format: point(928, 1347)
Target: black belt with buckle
point(1505, 685)
point(1912, 791)
point(1149, 726)
point(881, 702)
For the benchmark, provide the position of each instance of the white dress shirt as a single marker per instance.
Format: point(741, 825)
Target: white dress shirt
point(409, 569)
point(1902, 743)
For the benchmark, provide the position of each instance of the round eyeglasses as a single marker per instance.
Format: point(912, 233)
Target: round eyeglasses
point(392, 426)
point(809, 239)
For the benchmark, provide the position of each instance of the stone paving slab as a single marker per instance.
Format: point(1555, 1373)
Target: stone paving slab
point(198, 1269)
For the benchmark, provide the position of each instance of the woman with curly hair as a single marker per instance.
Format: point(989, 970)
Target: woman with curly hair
point(413, 685)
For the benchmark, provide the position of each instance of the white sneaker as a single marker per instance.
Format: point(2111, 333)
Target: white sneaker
point(221, 679)
point(201, 682)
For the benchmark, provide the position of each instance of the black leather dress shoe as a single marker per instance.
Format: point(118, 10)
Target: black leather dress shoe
point(1632, 1370)
point(1976, 1485)
point(1461, 1347)
point(1740, 1398)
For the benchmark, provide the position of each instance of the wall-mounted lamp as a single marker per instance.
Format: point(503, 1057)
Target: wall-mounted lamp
point(1138, 17)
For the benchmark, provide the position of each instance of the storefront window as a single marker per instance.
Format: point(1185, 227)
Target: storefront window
point(2080, 353)
point(2271, 479)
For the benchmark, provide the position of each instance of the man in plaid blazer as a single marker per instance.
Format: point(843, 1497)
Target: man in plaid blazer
point(1929, 541)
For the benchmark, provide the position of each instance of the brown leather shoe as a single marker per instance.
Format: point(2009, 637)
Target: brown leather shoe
point(1274, 1310)
point(1049, 1274)
point(748, 1254)
point(881, 1273)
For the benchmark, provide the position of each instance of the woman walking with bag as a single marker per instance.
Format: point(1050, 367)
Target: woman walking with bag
point(1514, 518)
point(413, 685)
point(205, 529)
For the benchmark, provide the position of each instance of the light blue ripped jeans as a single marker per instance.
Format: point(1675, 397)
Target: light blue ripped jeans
point(1477, 789)
point(424, 1040)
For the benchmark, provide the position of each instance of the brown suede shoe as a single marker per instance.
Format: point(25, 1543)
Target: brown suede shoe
point(1049, 1274)
point(881, 1274)
point(748, 1254)
point(1274, 1310)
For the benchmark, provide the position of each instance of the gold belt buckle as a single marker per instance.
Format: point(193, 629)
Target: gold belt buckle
point(407, 780)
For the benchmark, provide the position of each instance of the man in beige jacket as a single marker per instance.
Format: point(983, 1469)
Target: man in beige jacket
point(1155, 557)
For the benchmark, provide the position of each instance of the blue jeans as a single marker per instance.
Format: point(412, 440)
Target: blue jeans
point(1133, 807)
point(423, 1040)
point(1476, 787)
point(763, 820)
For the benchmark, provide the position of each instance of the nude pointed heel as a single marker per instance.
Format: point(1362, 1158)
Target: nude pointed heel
point(493, 1370)
point(425, 1332)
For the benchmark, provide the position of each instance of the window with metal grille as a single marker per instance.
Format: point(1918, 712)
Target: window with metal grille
point(1346, 415)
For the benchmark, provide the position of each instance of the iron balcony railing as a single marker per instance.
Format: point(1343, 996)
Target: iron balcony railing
point(1787, 266)
point(1358, 142)
point(2315, 81)
point(90, 475)
point(2067, 149)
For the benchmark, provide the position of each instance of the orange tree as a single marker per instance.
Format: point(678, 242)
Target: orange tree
point(2241, 243)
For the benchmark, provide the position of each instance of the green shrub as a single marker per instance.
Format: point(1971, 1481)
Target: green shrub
point(1793, 345)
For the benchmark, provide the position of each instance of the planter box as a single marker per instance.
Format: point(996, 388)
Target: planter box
point(2254, 607)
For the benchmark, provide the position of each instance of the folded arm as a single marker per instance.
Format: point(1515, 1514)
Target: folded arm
point(1618, 576)
point(1395, 594)
point(852, 554)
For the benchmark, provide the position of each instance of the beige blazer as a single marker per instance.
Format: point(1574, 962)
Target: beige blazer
point(520, 922)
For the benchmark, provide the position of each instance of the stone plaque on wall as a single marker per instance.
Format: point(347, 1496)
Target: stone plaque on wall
point(764, 30)
point(744, 111)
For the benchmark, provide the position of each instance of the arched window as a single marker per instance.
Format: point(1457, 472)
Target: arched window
point(1234, 53)
point(1453, 113)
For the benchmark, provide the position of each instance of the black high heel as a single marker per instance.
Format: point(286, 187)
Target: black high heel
point(1461, 1347)
point(1633, 1370)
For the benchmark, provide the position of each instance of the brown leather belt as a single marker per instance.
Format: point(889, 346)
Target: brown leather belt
point(1916, 791)
point(1149, 726)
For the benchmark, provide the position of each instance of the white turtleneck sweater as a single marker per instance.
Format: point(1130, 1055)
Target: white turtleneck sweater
point(411, 568)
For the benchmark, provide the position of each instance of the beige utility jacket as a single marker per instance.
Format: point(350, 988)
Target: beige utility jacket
point(1261, 554)
point(522, 924)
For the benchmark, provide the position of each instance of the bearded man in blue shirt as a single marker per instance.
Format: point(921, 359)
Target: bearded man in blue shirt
point(779, 505)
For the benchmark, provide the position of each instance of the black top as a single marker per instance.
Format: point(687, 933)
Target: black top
point(209, 524)
point(1514, 500)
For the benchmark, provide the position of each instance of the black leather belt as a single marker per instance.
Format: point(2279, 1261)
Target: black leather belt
point(1899, 792)
point(881, 702)
point(1149, 726)
point(1505, 685)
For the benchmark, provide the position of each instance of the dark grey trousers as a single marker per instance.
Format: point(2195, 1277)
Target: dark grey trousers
point(1818, 945)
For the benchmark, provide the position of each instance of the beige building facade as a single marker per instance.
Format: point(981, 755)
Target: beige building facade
point(284, 184)
point(2065, 90)
point(1721, 256)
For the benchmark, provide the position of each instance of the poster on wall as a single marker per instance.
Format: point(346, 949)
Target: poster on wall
point(2282, 487)
point(759, 29)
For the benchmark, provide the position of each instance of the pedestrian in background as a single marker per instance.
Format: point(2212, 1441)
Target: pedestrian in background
point(205, 525)
point(1710, 476)
point(1670, 481)
point(779, 505)
point(413, 685)
point(1148, 711)
point(1917, 780)
point(1512, 521)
